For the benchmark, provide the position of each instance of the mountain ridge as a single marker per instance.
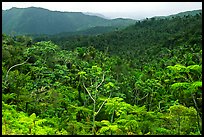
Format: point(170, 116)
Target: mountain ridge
point(44, 21)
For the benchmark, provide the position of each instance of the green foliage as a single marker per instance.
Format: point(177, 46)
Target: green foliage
point(20, 123)
point(88, 91)
point(185, 119)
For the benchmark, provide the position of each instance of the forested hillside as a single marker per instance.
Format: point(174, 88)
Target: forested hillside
point(181, 14)
point(143, 80)
point(33, 20)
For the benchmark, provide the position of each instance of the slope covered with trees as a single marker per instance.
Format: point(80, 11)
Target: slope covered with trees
point(144, 80)
point(182, 14)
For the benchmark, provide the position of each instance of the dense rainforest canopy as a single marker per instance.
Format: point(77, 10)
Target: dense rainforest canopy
point(143, 80)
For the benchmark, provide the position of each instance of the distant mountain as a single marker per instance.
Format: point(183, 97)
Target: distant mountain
point(181, 14)
point(35, 20)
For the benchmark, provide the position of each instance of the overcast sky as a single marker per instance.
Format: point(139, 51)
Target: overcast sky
point(135, 10)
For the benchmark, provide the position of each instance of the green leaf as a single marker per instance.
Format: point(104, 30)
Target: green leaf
point(106, 122)
point(94, 67)
point(38, 122)
point(178, 68)
point(197, 84)
point(111, 84)
point(33, 116)
point(180, 85)
point(104, 129)
point(195, 67)
point(113, 127)
point(81, 73)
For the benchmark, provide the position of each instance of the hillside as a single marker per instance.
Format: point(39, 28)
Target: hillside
point(145, 79)
point(145, 40)
point(181, 14)
point(42, 21)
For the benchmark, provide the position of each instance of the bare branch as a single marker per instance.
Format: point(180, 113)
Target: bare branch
point(15, 66)
point(101, 82)
point(144, 96)
point(89, 93)
point(91, 82)
point(196, 105)
point(102, 105)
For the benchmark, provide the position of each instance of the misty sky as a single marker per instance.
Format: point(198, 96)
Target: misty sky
point(134, 10)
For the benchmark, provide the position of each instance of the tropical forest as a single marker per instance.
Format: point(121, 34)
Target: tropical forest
point(141, 78)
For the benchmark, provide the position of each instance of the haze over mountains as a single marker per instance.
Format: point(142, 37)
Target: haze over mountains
point(33, 20)
point(95, 14)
